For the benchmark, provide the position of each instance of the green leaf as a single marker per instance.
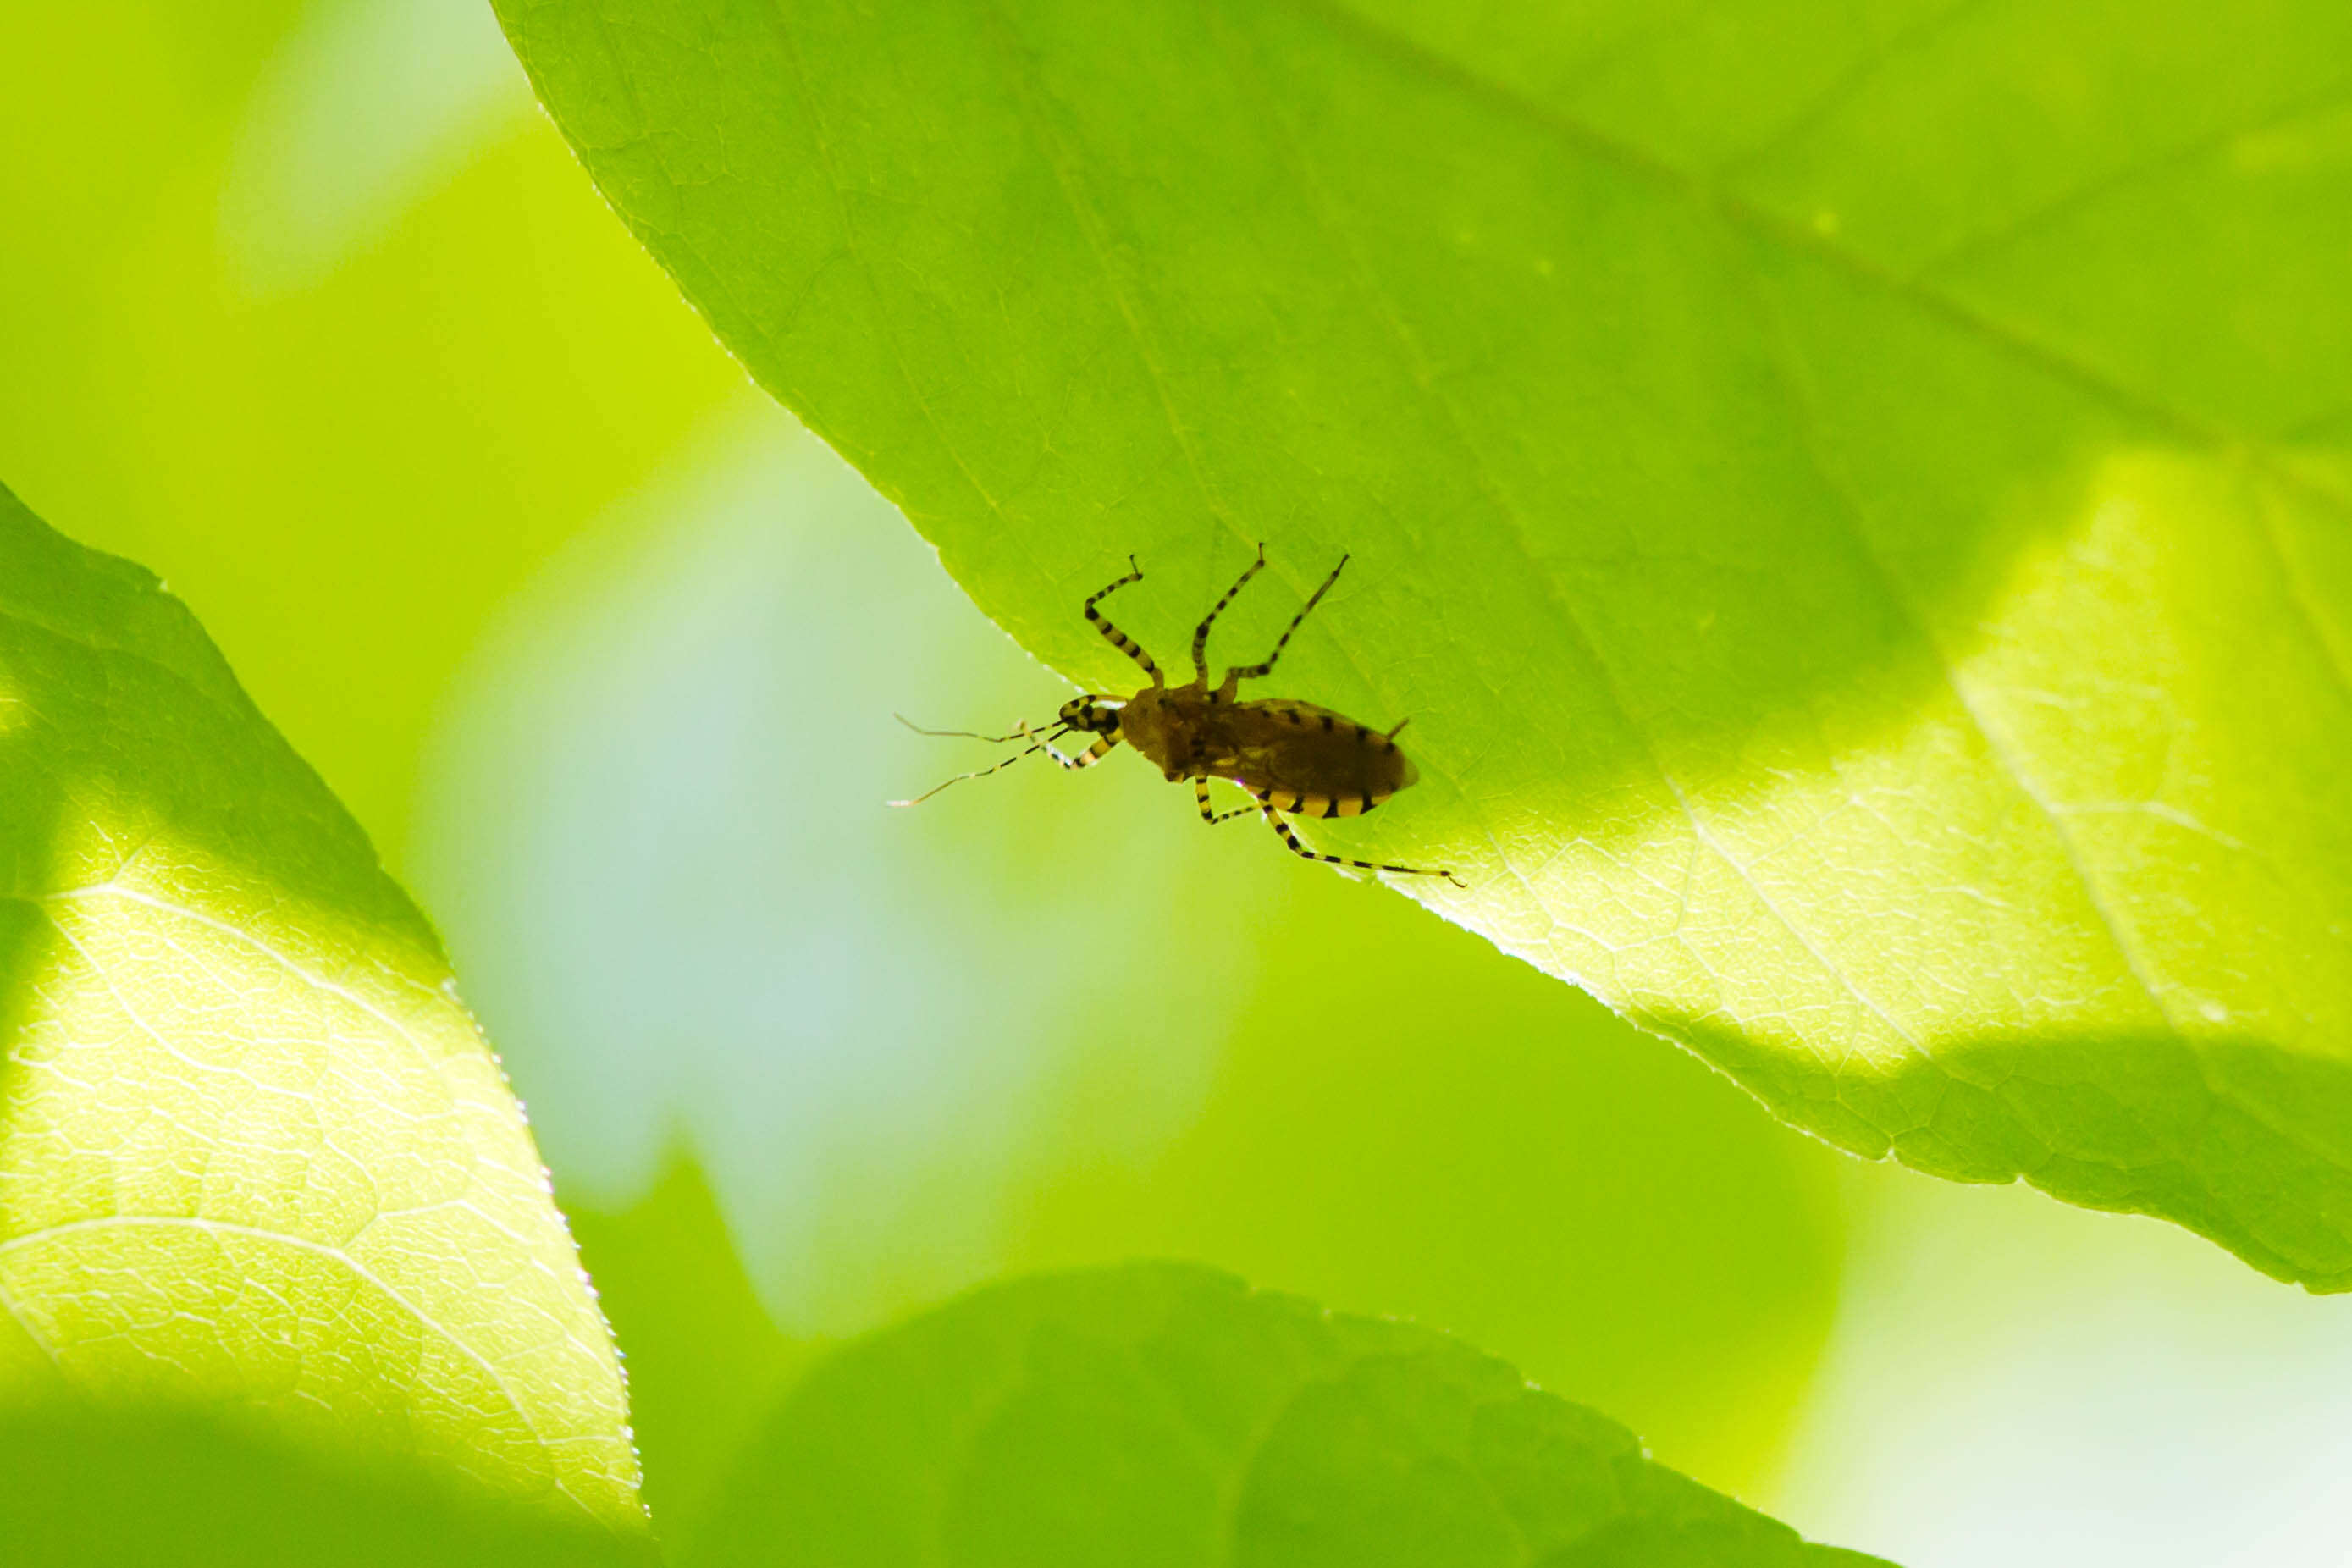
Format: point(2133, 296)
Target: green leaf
point(1163, 1413)
point(253, 1150)
point(1854, 505)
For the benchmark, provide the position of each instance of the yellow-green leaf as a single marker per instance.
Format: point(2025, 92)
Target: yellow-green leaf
point(1853, 500)
point(253, 1151)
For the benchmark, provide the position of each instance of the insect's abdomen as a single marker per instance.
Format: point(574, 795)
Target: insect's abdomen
point(1309, 761)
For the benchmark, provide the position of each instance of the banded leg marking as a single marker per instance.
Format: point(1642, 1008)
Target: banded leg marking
point(1323, 805)
point(1275, 817)
point(1089, 757)
point(1200, 632)
point(1210, 816)
point(1111, 634)
point(1252, 672)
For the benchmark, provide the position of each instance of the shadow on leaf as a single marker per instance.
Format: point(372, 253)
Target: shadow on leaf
point(92, 1488)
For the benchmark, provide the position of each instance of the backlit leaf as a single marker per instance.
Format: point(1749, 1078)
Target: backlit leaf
point(253, 1151)
point(1855, 500)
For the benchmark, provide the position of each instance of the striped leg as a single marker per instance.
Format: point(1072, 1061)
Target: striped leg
point(1212, 817)
point(1251, 672)
point(1086, 758)
point(1112, 635)
point(1283, 827)
point(1200, 632)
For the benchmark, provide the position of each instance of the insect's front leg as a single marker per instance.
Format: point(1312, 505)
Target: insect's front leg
point(1085, 759)
point(1112, 635)
point(1200, 632)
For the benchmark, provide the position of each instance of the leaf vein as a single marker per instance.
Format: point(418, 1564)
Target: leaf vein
point(2155, 159)
point(300, 1243)
point(1848, 512)
point(1802, 240)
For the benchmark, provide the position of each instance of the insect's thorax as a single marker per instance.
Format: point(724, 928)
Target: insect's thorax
point(1273, 746)
point(1165, 724)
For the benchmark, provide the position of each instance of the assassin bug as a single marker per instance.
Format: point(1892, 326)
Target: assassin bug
point(1295, 758)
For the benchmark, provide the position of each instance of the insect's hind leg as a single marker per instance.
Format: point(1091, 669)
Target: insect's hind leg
point(1111, 634)
point(1251, 672)
point(1211, 816)
point(1281, 827)
point(1200, 632)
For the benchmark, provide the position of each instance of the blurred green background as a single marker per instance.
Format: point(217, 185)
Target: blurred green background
point(306, 308)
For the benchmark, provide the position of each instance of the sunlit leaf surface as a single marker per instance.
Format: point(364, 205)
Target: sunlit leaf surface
point(1166, 1414)
point(252, 1148)
point(1853, 503)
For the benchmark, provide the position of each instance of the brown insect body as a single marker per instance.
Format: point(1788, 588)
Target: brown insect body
point(1292, 757)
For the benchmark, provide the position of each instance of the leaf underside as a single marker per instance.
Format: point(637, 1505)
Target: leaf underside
point(1855, 500)
point(253, 1150)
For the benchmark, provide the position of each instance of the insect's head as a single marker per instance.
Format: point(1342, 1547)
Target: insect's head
point(1095, 714)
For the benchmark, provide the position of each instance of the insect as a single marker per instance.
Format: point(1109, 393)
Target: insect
point(1295, 758)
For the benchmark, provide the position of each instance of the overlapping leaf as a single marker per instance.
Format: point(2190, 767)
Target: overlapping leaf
point(1161, 1414)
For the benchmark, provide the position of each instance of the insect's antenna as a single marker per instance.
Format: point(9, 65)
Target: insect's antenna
point(1042, 742)
point(965, 734)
